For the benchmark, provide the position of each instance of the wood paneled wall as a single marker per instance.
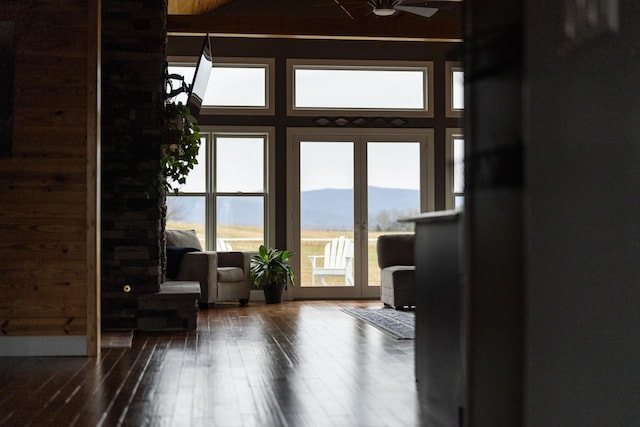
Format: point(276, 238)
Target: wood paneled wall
point(48, 188)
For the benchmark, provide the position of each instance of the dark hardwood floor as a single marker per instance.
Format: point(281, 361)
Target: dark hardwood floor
point(293, 364)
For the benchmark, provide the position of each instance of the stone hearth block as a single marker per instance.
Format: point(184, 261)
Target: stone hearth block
point(175, 306)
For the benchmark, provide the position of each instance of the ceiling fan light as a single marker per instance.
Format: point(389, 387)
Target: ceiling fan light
point(384, 11)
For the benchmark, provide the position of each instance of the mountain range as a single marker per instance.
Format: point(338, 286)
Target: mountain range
point(327, 209)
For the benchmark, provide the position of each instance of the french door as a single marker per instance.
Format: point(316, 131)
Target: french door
point(345, 188)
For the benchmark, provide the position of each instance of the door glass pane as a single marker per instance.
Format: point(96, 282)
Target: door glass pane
point(458, 90)
point(326, 213)
point(239, 223)
point(458, 165)
point(240, 164)
point(187, 213)
point(393, 175)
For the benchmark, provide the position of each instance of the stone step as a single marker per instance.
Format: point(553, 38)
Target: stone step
point(175, 306)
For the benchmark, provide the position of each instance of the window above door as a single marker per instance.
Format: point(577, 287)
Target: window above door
point(366, 88)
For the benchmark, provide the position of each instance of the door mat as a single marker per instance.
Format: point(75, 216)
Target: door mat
point(399, 324)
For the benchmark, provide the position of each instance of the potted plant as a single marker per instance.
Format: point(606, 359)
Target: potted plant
point(270, 269)
point(180, 146)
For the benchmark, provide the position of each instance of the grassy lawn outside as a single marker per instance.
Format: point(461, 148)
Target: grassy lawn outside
point(313, 243)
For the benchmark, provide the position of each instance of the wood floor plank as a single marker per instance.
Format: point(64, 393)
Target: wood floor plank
point(294, 364)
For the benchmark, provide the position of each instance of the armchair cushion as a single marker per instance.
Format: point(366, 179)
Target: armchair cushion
point(183, 238)
point(395, 249)
point(397, 270)
point(230, 274)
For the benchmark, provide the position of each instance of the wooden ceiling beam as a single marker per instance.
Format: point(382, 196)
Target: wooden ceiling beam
point(410, 27)
point(194, 7)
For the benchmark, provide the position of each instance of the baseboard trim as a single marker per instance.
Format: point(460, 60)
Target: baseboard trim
point(75, 345)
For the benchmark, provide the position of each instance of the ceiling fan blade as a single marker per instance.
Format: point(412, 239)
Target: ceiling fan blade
point(427, 12)
point(343, 9)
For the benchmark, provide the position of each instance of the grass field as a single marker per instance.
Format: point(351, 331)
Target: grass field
point(313, 242)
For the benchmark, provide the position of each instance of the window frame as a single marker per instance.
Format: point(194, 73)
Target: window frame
point(450, 68)
point(211, 133)
point(426, 66)
point(450, 195)
point(248, 62)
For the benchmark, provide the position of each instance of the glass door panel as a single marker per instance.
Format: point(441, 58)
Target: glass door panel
point(326, 214)
point(458, 172)
point(346, 188)
point(393, 191)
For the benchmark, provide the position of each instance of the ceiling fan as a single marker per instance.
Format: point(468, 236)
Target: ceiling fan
point(422, 8)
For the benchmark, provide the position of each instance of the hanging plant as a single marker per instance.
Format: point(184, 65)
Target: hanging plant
point(179, 149)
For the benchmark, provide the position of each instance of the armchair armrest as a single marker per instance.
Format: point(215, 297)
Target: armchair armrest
point(239, 288)
point(201, 267)
point(247, 266)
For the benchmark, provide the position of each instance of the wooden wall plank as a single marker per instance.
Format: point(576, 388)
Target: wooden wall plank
point(61, 217)
point(28, 308)
point(54, 82)
point(74, 230)
point(15, 286)
point(33, 254)
point(60, 272)
point(44, 117)
point(56, 179)
point(43, 326)
point(58, 216)
point(56, 198)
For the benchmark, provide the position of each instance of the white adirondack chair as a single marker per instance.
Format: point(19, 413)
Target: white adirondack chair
point(336, 261)
point(223, 246)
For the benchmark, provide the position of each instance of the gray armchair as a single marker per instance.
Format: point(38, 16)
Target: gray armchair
point(397, 270)
point(223, 276)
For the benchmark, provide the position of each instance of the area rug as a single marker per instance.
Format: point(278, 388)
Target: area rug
point(120, 339)
point(399, 324)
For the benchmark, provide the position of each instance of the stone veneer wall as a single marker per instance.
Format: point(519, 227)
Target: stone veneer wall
point(133, 55)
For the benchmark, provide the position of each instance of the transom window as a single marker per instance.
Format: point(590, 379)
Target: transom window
point(235, 84)
point(368, 88)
